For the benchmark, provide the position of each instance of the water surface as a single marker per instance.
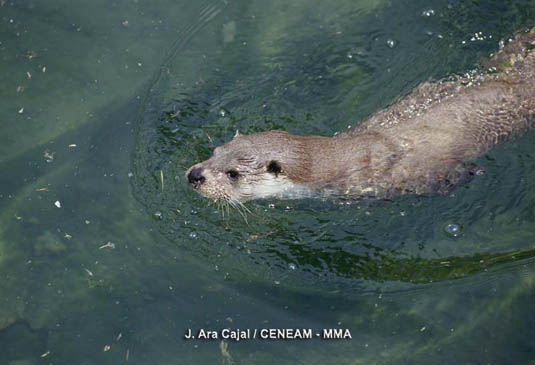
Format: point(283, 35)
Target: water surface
point(106, 255)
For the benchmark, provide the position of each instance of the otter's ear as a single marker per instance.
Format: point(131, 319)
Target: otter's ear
point(274, 167)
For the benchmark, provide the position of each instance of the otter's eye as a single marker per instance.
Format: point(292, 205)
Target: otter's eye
point(274, 167)
point(233, 174)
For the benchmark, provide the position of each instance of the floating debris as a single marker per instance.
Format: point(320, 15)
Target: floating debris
point(31, 54)
point(107, 348)
point(223, 347)
point(42, 190)
point(45, 354)
point(49, 156)
point(229, 31)
point(21, 110)
point(161, 178)
point(158, 215)
point(107, 244)
point(72, 145)
point(57, 204)
point(88, 272)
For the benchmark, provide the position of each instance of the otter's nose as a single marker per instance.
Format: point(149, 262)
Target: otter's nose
point(195, 177)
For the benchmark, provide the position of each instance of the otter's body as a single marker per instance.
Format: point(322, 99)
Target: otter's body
point(418, 145)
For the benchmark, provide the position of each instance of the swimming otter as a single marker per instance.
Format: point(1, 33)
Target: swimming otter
point(419, 145)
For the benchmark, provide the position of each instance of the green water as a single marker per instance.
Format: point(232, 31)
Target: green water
point(104, 106)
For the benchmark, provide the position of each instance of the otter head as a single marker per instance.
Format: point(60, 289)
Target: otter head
point(249, 167)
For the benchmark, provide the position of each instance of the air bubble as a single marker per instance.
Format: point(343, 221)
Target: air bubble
point(428, 12)
point(453, 229)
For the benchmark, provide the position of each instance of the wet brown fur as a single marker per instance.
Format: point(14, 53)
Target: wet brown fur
point(417, 145)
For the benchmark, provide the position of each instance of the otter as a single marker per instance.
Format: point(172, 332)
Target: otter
point(420, 145)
